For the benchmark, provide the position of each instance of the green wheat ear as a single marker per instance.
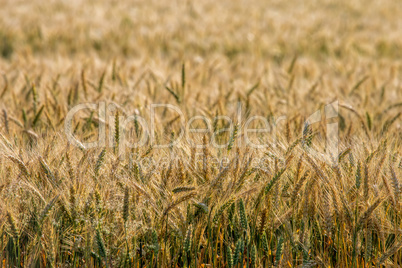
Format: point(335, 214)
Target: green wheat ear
point(99, 162)
point(238, 252)
point(183, 76)
point(84, 83)
point(279, 249)
point(242, 213)
point(126, 205)
point(45, 212)
point(182, 189)
point(187, 241)
point(101, 81)
point(253, 255)
point(233, 137)
point(100, 244)
point(358, 176)
point(231, 212)
point(117, 131)
point(155, 241)
point(229, 257)
point(264, 242)
point(46, 169)
point(34, 98)
point(222, 209)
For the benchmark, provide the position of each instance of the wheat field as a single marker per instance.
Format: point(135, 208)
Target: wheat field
point(195, 143)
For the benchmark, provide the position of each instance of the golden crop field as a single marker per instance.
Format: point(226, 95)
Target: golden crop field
point(206, 133)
